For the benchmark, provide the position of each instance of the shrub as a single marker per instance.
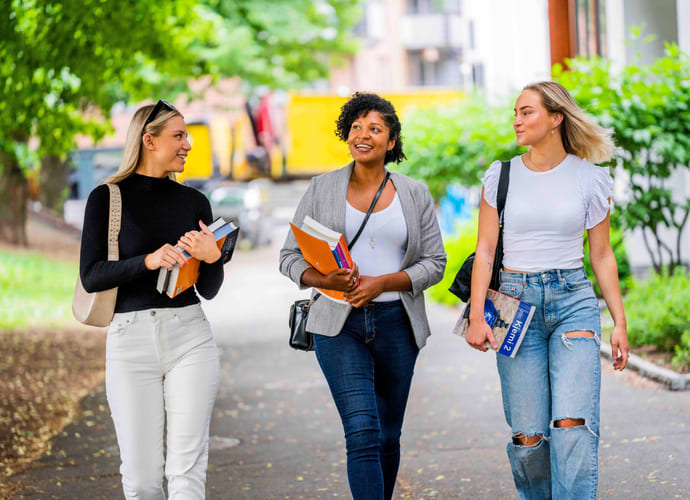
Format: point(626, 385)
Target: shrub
point(658, 312)
point(456, 143)
point(647, 107)
point(458, 247)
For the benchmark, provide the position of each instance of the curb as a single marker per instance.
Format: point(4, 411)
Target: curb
point(672, 380)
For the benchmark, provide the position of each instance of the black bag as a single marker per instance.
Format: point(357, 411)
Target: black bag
point(300, 338)
point(463, 279)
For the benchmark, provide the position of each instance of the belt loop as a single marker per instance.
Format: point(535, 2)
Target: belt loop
point(558, 274)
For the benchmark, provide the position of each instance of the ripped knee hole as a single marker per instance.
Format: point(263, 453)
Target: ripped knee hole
point(579, 334)
point(569, 422)
point(525, 440)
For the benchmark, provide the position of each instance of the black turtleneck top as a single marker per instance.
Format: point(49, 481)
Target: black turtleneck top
point(155, 211)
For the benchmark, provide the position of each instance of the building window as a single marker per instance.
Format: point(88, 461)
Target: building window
point(434, 6)
point(435, 67)
point(590, 27)
point(478, 75)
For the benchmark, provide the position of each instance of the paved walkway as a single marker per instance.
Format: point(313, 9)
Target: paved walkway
point(276, 433)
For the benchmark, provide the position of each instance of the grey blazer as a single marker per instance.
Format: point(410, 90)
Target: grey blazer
point(424, 260)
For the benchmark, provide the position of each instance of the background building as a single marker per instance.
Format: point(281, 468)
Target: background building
point(603, 27)
point(498, 46)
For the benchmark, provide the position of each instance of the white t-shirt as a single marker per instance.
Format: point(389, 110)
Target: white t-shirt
point(381, 246)
point(547, 213)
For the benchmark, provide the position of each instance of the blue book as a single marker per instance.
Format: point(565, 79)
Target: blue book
point(508, 318)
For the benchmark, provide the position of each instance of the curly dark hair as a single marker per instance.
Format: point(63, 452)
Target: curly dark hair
point(359, 105)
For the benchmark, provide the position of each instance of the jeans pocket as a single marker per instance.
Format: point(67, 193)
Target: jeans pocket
point(119, 327)
point(190, 317)
point(512, 289)
point(576, 283)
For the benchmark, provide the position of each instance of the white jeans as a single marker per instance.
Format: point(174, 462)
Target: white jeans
point(162, 372)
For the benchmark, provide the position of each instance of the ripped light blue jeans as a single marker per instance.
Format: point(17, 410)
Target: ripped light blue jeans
point(554, 377)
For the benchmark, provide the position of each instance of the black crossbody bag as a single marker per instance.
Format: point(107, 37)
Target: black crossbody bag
point(300, 338)
point(463, 279)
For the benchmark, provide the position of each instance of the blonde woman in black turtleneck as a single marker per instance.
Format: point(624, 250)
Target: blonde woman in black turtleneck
point(162, 366)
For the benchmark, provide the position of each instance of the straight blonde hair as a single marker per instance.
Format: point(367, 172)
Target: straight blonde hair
point(581, 136)
point(133, 143)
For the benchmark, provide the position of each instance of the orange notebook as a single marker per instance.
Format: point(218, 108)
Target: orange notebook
point(325, 254)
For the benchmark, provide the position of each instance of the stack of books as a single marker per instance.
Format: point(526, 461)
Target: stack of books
point(174, 281)
point(324, 249)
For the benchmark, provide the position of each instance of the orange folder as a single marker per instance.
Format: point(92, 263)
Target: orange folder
point(319, 254)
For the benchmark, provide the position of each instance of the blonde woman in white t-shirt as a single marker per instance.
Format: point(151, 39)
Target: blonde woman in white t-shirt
point(551, 388)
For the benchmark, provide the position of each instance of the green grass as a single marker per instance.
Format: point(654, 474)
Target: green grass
point(35, 290)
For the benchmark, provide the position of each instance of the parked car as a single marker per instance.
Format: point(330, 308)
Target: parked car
point(245, 203)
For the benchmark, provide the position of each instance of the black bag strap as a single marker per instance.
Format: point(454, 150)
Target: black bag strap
point(502, 192)
point(364, 222)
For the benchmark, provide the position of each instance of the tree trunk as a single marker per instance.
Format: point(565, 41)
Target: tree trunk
point(53, 182)
point(14, 194)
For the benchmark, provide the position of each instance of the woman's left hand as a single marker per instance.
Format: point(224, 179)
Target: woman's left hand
point(620, 349)
point(367, 289)
point(200, 244)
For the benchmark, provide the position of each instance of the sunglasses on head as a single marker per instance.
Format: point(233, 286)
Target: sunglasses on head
point(160, 106)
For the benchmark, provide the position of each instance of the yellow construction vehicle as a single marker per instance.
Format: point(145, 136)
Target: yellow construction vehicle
point(308, 146)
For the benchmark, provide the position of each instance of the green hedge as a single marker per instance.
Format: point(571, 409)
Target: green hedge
point(458, 247)
point(658, 313)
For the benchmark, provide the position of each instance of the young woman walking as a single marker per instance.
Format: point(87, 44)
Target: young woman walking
point(551, 388)
point(367, 347)
point(162, 370)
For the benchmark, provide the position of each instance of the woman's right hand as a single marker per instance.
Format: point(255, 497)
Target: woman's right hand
point(478, 333)
point(166, 256)
point(344, 280)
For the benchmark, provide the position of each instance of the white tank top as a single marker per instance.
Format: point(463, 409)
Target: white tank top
point(546, 213)
point(381, 246)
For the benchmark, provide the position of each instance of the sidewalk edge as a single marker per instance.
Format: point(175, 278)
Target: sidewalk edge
point(672, 380)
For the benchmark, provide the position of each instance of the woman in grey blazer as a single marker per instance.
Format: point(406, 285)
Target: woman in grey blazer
point(367, 347)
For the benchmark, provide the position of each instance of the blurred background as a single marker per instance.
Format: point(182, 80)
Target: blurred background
point(261, 82)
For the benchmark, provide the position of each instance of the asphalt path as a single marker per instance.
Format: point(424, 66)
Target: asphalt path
point(276, 434)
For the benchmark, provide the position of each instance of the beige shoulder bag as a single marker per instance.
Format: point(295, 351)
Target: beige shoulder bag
point(98, 308)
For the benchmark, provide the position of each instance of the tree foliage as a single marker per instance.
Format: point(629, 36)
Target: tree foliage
point(456, 143)
point(648, 109)
point(284, 43)
point(65, 63)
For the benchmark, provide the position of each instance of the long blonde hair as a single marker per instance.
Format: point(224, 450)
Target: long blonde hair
point(581, 136)
point(133, 143)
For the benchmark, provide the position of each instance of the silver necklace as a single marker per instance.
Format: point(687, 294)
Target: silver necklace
point(372, 233)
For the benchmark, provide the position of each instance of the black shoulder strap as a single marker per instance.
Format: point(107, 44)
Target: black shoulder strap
point(502, 190)
point(364, 222)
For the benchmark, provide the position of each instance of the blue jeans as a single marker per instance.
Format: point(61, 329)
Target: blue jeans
point(369, 368)
point(554, 377)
